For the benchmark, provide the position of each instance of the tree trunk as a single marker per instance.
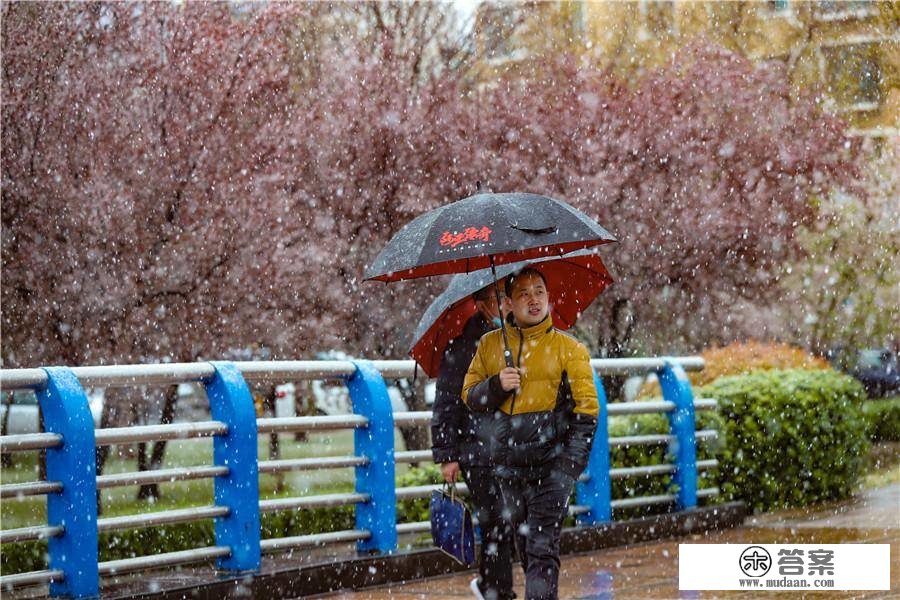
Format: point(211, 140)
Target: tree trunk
point(274, 446)
point(6, 457)
point(42, 454)
point(151, 490)
point(616, 345)
point(415, 437)
point(141, 462)
point(304, 406)
point(103, 451)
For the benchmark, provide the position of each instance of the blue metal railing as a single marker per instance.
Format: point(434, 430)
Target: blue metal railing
point(71, 486)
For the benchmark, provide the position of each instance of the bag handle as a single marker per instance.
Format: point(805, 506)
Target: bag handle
point(450, 490)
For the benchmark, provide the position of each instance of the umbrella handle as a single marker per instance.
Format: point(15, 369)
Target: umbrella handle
point(507, 353)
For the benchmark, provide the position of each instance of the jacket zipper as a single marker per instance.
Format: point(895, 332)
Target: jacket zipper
point(512, 406)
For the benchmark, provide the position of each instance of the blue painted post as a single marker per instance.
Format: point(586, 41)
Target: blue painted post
point(66, 412)
point(369, 395)
point(230, 401)
point(596, 492)
point(676, 388)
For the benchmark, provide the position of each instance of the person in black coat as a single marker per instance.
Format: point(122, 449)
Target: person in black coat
point(461, 443)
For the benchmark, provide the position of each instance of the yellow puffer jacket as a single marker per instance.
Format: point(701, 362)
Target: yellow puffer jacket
point(550, 422)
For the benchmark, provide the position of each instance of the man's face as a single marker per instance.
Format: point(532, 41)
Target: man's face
point(529, 301)
point(488, 306)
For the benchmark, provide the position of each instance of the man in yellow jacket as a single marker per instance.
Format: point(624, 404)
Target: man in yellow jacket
point(546, 409)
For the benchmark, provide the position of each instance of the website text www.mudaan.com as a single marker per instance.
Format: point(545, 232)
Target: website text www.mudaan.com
point(785, 583)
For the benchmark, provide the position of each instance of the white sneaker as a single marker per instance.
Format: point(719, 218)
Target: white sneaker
point(476, 591)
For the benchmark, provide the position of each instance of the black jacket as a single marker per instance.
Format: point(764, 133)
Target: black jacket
point(457, 434)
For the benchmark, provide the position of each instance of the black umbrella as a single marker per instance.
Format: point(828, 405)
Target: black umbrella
point(483, 231)
point(574, 281)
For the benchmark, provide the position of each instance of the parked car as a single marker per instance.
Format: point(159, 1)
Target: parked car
point(23, 411)
point(876, 368)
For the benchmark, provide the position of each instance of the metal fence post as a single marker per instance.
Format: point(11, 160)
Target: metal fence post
point(676, 388)
point(375, 442)
point(596, 492)
point(230, 401)
point(66, 412)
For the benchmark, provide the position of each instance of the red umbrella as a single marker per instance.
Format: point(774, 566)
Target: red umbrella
point(573, 280)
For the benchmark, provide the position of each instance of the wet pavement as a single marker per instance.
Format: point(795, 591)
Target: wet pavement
point(650, 570)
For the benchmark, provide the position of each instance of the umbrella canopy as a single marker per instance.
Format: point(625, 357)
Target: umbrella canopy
point(485, 229)
point(573, 280)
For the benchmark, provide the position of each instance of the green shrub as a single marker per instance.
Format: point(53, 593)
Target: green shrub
point(792, 437)
point(639, 456)
point(883, 417)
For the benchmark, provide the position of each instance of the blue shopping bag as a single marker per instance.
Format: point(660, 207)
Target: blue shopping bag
point(451, 525)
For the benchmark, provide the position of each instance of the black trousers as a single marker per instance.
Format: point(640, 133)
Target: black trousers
point(536, 509)
point(495, 567)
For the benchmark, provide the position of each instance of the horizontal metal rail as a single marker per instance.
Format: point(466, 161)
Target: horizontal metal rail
point(622, 473)
point(413, 456)
point(8, 582)
point(152, 433)
point(29, 441)
point(642, 501)
point(421, 417)
point(36, 488)
point(638, 366)
point(311, 502)
point(169, 559)
point(160, 476)
point(417, 527)
point(424, 491)
point(28, 534)
point(655, 406)
point(291, 424)
point(295, 370)
point(318, 539)
point(650, 440)
point(706, 404)
point(663, 499)
point(161, 518)
point(32, 488)
point(18, 490)
point(291, 370)
point(644, 471)
point(311, 464)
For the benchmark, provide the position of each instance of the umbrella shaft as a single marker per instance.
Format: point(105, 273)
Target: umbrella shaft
point(507, 354)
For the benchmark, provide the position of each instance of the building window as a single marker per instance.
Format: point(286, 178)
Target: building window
point(854, 74)
point(829, 10)
point(831, 6)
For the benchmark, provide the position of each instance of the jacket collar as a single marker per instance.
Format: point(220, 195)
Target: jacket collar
point(545, 326)
point(477, 325)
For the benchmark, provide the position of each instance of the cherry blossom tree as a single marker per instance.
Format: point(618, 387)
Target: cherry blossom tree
point(184, 180)
point(148, 153)
point(844, 290)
